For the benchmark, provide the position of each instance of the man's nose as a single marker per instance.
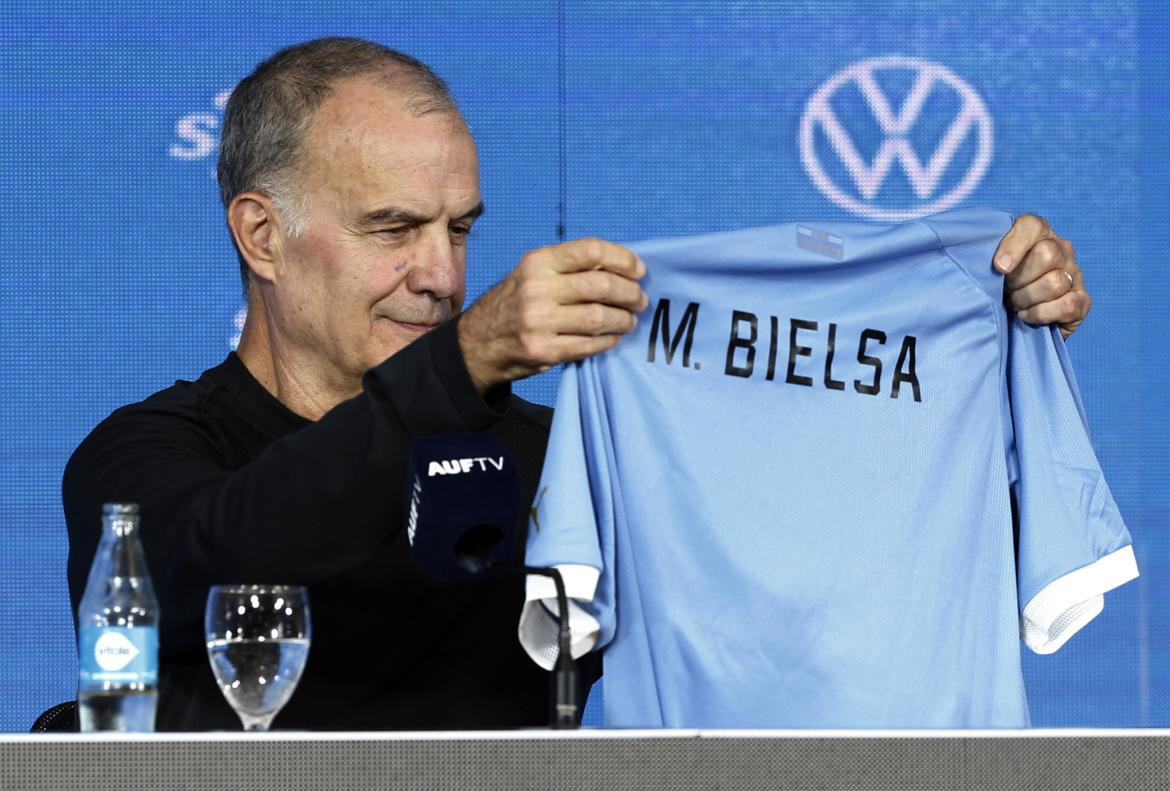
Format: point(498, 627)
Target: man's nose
point(438, 266)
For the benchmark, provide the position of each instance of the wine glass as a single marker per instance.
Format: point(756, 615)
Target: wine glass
point(257, 641)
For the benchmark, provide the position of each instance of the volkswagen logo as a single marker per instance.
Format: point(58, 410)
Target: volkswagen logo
point(851, 109)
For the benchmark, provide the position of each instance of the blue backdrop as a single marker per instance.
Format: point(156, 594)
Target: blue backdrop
point(593, 118)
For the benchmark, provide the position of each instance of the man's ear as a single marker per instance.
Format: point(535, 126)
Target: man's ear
point(253, 222)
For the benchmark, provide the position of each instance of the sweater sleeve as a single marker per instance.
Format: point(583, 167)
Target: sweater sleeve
point(311, 505)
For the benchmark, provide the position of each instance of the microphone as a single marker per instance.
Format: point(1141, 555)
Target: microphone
point(462, 523)
point(464, 495)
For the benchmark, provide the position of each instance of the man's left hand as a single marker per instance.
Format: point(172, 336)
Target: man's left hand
point(1042, 280)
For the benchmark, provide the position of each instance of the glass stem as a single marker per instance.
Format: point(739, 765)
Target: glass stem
point(256, 723)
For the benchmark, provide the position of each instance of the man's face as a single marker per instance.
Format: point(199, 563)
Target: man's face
point(390, 200)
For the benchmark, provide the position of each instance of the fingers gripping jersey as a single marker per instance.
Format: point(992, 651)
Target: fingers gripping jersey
point(786, 499)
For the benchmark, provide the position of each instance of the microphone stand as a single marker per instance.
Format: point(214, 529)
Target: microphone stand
point(565, 714)
point(565, 670)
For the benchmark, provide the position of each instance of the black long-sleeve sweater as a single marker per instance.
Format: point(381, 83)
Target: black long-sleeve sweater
point(234, 487)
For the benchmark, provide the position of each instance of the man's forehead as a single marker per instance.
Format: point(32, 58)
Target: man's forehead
point(365, 141)
point(371, 104)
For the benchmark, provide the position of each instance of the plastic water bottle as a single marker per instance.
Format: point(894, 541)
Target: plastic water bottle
point(118, 624)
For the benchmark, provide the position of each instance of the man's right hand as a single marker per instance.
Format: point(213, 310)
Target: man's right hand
point(561, 303)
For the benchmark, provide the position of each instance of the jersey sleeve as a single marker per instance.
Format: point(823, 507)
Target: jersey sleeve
point(1073, 544)
point(571, 526)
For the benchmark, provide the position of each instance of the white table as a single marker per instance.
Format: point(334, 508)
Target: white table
point(603, 759)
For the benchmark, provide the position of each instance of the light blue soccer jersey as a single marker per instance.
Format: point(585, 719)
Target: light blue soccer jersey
point(786, 499)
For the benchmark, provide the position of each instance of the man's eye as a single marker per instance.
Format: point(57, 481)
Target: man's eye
point(396, 231)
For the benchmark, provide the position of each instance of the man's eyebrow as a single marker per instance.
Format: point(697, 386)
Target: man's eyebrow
point(393, 214)
point(401, 216)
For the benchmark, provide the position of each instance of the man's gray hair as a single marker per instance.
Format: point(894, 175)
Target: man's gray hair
point(270, 111)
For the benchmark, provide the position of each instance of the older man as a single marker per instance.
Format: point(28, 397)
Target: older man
point(351, 183)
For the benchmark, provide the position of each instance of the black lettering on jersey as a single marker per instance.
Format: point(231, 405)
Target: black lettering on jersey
point(874, 387)
point(772, 344)
point(906, 358)
point(795, 351)
point(744, 337)
point(736, 341)
point(830, 350)
point(686, 326)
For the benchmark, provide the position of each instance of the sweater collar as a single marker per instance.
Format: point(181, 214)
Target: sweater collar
point(264, 409)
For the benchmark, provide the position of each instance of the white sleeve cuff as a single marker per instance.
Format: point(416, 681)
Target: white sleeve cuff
point(1066, 604)
point(540, 619)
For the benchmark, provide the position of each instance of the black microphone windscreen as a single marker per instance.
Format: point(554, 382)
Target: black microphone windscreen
point(463, 492)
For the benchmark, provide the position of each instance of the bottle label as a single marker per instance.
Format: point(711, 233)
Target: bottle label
point(119, 654)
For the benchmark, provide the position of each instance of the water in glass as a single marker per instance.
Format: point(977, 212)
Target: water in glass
point(258, 642)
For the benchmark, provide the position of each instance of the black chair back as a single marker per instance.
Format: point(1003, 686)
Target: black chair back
point(57, 719)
